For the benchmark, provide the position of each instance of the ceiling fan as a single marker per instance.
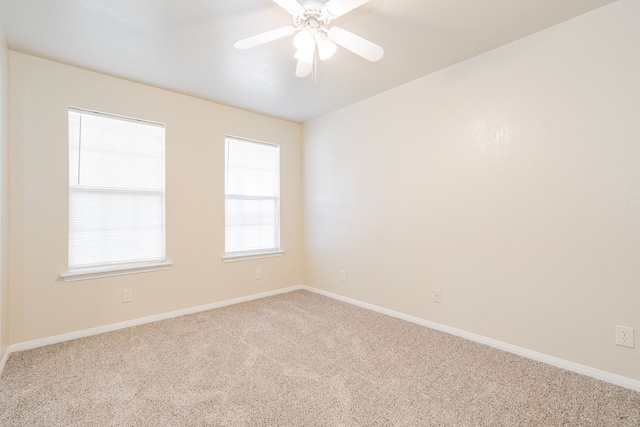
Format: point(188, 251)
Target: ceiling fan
point(313, 33)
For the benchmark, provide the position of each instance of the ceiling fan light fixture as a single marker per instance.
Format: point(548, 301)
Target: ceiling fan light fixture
point(304, 41)
point(326, 48)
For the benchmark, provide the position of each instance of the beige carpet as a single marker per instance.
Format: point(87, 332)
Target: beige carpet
point(297, 359)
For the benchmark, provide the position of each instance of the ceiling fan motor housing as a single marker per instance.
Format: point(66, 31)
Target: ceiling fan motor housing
point(312, 19)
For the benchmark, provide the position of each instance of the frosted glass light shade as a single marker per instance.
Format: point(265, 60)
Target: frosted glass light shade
point(304, 41)
point(326, 48)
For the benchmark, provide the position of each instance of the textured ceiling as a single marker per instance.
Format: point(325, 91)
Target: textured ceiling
point(187, 46)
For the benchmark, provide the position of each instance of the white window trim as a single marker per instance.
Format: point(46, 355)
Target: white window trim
point(99, 271)
point(118, 270)
point(262, 253)
point(243, 256)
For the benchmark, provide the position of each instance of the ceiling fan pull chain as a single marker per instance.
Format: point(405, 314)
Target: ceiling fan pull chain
point(315, 69)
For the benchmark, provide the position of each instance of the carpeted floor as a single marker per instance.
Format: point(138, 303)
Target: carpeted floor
point(297, 359)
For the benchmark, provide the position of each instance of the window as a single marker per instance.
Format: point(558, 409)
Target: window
point(116, 195)
point(252, 199)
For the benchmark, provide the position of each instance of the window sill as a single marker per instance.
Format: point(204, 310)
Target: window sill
point(95, 273)
point(251, 255)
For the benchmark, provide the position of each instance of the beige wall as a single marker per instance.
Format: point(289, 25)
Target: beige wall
point(510, 181)
point(4, 195)
point(41, 304)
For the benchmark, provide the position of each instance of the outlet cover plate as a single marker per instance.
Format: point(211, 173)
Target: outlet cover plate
point(624, 336)
point(437, 295)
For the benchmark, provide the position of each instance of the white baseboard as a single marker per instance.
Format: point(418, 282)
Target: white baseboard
point(4, 360)
point(530, 354)
point(27, 345)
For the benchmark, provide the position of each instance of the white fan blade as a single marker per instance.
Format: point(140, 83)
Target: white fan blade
point(356, 44)
point(291, 6)
point(304, 68)
point(336, 8)
point(263, 38)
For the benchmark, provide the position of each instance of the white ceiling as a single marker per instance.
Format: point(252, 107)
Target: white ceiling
point(187, 45)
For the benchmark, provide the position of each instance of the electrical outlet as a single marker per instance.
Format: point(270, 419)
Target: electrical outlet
point(624, 336)
point(258, 274)
point(343, 276)
point(127, 295)
point(437, 295)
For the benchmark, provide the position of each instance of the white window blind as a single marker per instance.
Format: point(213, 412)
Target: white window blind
point(116, 191)
point(252, 196)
